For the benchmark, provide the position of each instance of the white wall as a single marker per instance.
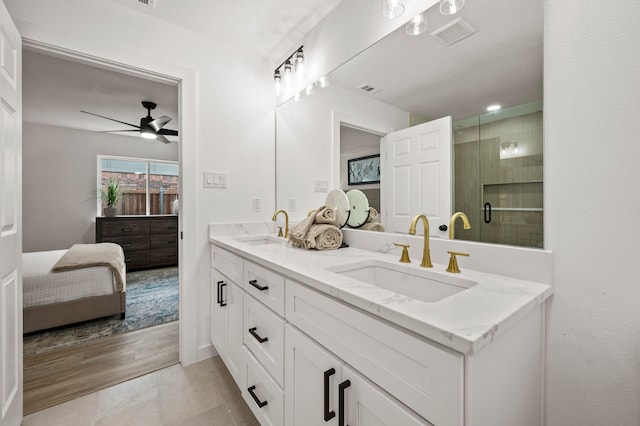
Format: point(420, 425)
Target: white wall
point(592, 205)
point(304, 159)
point(59, 181)
point(226, 123)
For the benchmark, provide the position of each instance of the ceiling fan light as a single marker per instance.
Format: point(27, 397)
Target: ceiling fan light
point(451, 7)
point(417, 25)
point(148, 134)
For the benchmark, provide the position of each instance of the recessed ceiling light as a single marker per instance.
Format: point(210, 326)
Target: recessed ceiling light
point(492, 108)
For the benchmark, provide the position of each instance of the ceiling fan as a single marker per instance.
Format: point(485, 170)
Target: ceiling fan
point(149, 127)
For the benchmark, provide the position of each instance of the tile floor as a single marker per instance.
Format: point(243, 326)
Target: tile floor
point(200, 394)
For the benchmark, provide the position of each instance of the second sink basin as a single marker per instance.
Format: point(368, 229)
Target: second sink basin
point(261, 240)
point(422, 284)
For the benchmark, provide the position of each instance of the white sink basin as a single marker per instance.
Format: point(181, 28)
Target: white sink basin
point(261, 240)
point(417, 283)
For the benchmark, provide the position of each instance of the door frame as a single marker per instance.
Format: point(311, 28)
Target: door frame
point(185, 79)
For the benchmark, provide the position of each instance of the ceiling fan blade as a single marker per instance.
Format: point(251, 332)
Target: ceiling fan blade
point(159, 122)
point(163, 139)
point(118, 131)
point(112, 119)
point(167, 132)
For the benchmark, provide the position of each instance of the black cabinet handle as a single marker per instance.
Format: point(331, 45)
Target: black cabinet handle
point(341, 388)
point(258, 286)
point(222, 301)
point(328, 414)
point(219, 295)
point(255, 397)
point(487, 212)
point(443, 228)
point(253, 332)
point(127, 260)
point(126, 245)
point(126, 229)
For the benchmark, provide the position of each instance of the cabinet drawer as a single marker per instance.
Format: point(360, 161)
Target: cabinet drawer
point(425, 376)
point(136, 259)
point(260, 389)
point(168, 256)
point(122, 227)
point(264, 336)
point(130, 243)
point(163, 241)
point(227, 263)
point(265, 285)
point(168, 225)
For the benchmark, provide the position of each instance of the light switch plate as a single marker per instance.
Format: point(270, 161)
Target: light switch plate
point(256, 205)
point(291, 205)
point(215, 180)
point(321, 185)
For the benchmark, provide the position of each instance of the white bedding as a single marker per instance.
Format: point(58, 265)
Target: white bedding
point(42, 287)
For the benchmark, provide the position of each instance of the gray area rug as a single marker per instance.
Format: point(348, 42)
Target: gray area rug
point(152, 299)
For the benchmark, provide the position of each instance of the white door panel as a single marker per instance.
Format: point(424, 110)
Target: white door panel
point(416, 175)
point(10, 222)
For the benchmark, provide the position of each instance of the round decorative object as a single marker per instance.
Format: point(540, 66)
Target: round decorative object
point(338, 201)
point(359, 206)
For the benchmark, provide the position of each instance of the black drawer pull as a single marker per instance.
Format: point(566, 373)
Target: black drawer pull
point(171, 227)
point(126, 260)
point(126, 245)
point(341, 388)
point(218, 289)
point(126, 229)
point(253, 332)
point(255, 397)
point(223, 302)
point(328, 414)
point(258, 286)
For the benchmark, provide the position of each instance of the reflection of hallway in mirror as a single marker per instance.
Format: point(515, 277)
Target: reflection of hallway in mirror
point(498, 176)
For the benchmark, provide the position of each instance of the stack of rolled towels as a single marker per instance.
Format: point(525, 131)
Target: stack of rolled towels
point(317, 231)
point(373, 223)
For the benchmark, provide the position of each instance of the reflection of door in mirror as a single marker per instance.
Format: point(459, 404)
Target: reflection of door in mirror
point(417, 176)
point(498, 175)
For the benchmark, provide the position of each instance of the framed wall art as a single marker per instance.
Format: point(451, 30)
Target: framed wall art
point(364, 170)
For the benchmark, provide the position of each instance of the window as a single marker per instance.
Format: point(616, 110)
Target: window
point(148, 187)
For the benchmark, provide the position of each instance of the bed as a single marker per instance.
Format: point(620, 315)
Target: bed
point(59, 289)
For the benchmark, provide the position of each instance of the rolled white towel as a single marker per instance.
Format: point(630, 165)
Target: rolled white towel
point(373, 215)
point(373, 226)
point(323, 237)
point(325, 215)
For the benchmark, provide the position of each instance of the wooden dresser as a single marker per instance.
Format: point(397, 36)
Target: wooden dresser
point(148, 241)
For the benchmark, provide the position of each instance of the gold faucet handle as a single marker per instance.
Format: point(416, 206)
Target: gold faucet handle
point(453, 262)
point(280, 231)
point(404, 258)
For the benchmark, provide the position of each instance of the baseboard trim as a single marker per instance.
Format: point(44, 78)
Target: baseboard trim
point(206, 351)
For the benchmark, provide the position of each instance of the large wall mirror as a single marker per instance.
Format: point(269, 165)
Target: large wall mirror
point(488, 53)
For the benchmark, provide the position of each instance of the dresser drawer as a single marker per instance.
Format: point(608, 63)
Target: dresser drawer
point(265, 285)
point(163, 241)
point(130, 243)
point(264, 336)
point(262, 394)
point(425, 376)
point(168, 256)
point(124, 227)
point(136, 259)
point(168, 225)
point(227, 263)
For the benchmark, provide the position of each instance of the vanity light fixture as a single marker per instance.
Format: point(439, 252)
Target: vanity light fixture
point(417, 25)
point(494, 108)
point(283, 75)
point(451, 7)
point(391, 9)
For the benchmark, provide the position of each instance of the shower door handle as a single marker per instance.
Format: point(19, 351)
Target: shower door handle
point(487, 212)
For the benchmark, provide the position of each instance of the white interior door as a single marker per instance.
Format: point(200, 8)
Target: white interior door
point(10, 221)
point(416, 176)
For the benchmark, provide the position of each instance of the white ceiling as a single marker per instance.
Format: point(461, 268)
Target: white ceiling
point(500, 63)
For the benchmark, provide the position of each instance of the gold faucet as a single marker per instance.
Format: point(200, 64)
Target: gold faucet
point(286, 222)
point(465, 221)
point(426, 255)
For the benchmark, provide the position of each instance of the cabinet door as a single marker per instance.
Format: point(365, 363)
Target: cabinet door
point(218, 312)
point(234, 299)
point(368, 405)
point(312, 375)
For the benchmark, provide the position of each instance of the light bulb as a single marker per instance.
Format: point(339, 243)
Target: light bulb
point(148, 134)
point(277, 83)
point(323, 82)
point(492, 108)
point(286, 78)
point(515, 148)
point(417, 25)
point(451, 7)
point(391, 9)
point(309, 90)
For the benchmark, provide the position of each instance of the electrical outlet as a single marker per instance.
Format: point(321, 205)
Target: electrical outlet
point(321, 185)
point(256, 205)
point(292, 205)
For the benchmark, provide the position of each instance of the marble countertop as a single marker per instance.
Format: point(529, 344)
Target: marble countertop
point(465, 322)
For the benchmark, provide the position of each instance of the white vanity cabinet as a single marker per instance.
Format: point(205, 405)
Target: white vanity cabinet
point(321, 389)
point(227, 310)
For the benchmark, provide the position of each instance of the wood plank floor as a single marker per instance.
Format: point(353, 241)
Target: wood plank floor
point(64, 374)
